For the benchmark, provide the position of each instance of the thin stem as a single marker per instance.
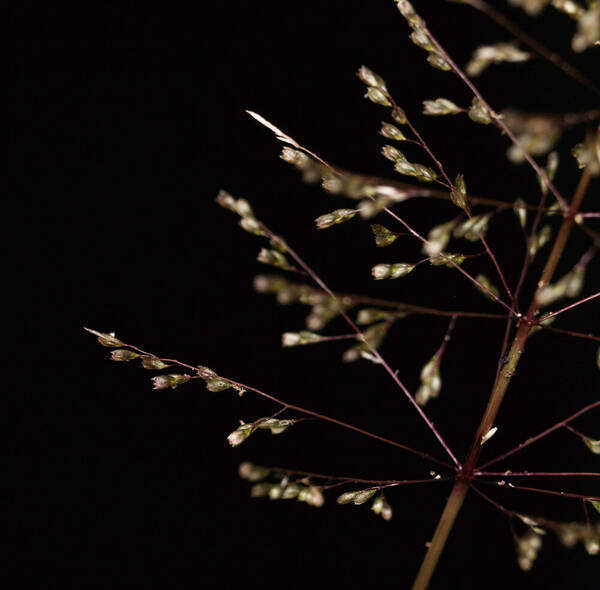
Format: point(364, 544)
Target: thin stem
point(509, 473)
point(424, 145)
point(406, 307)
point(475, 200)
point(334, 338)
point(590, 233)
point(414, 481)
point(495, 262)
point(493, 502)
point(280, 411)
point(546, 522)
point(339, 423)
point(446, 339)
point(541, 434)
point(359, 333)
point(528, 259)
point(587, 516)
point(454, 264)
point(451, 186)
point(570, 333)
point(532, 43)
point(498, 120)
point(555, 313)
point(411, 190)
point(300, 409)
point(575, 432)
point(164, 360)
point(416, 309)
point(551, 524)
point(418, 191)
point(345, 479)
point(287, 139)
point(544, 491)
point(585, 259)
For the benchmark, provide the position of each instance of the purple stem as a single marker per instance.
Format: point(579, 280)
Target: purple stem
point(584, 300)
point(544, 491)
point(509, 473)
point(373, 350)
point(542, 434)
point(285, 405)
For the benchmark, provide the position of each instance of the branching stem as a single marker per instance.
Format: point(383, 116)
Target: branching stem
point(287, 406)
point(542, 434)
point(344, 479)
point(516, 350)
point(498, 120)
point(416, 309)
point(570, 333)
point(537, 473)
point(359, 333)
point(544, 491)
point(571, 306)
point(287, 139)
point(532, 43)
point(451, 187)
point(454, 264)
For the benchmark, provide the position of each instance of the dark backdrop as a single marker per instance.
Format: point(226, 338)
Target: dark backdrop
point(127, 122)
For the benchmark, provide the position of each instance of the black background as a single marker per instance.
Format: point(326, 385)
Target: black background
point(127, 122)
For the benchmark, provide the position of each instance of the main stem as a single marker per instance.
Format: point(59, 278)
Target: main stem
point(466, 474)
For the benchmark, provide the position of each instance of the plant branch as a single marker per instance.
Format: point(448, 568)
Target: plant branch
point(575, 432)
point(503, 509)
point(446, 339)
point(451, 186)
point(416, 309)
point(509, 473)
point(300, 409)
point(570, 333)
point(532, 43)
point(414, 190)
point(512, 514)
point(335, 338)
point(287, 139)
point(541, 434)
point(359, 333)
point(454, 264)
point(555, 313)
point(497, 119)
point(339, 423)
point(345, 479)
point(544, 491)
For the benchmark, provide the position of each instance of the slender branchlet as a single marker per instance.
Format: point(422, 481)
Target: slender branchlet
point(372, 349)
point(492, 115)
point(390, 191)
point(531, 42)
